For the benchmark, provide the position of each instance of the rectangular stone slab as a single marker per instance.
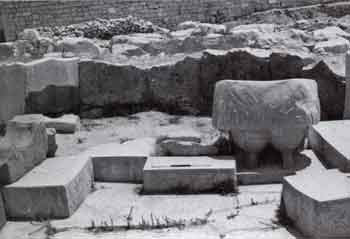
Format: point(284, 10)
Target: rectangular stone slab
point(188, 174)
point(318, 202)
point(331, 142)
point(2, 213)
point(54, 189)
point(119, 168)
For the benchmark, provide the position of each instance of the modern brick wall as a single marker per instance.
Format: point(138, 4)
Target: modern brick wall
point(17, 15)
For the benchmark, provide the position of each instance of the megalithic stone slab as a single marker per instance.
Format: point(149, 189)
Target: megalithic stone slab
point(2, 213)
point(12, 91)
point(54, 189)
point(119, 168)
point(24, 146)
point(330, 141)
point(347, 88)
point(114, 162)
point(318, 203)
point(259, 113)
point(189, 175)
point(52, 85)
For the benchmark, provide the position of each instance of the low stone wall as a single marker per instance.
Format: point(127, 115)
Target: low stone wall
point(18, 15)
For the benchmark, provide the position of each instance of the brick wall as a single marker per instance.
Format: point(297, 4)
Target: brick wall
point(17, 15)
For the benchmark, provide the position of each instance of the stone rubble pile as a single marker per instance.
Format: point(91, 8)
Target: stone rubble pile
point(100, 28)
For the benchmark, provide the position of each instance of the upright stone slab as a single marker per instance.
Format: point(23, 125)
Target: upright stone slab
point(24, 146)
point(52, 86)
point(259, 113)
point(114, 162)
point(189, 175)
point(347, 88)
point(12, 91)
point(54, 189)
point(330, 141)
point(2, 213)
point(318, 203)
point(127, 169)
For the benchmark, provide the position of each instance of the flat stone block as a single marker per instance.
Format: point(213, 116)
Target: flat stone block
point(330, 141)
point(119, 168)
point(189, 175)
point(318, 203)
point(54, 189)
point(66, 124)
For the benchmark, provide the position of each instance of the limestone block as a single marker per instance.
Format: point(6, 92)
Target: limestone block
point(189, 175)
point(2, 213)
point(12, 91)
point(318, 203)
point(329, 140)
point(79, 46)
point(52, 85)
point(54, 189)
point(24, 146)
point(330, 32)
point(66, 124)
point(346, 114)
point(182, 135)
point(258, 113)
point(6, 50)
point(51, 142)
point(336, 46)
point(119, 168)
point(187, 148)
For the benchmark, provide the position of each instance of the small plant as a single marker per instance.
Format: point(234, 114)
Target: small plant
point(151, 223)
point(281, 216)
point(175, 120)
point(125, 139)
point(129, 218)
point(80, 140)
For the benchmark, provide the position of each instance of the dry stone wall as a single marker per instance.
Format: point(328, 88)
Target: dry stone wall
point(17, 15)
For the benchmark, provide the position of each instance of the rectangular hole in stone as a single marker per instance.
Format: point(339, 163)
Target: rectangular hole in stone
point(180, 165)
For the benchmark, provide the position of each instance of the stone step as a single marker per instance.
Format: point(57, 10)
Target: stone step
point(330, 141)
point(318, 202)
point(54, 189)
point(114, 162)
point(189, 175)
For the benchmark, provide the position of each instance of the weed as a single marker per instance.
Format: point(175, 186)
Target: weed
point(175, 120)
point(151, 223)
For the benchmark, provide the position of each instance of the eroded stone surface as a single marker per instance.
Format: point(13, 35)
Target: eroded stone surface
point(259, 113)
point(52, 86)
point(189, 174)
point(187, 148)
point(318, 203)
point(24, 146)
point(329, 140)
point(66, 124)
point(2, 213)
point(12, 91)
point(54, 189)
